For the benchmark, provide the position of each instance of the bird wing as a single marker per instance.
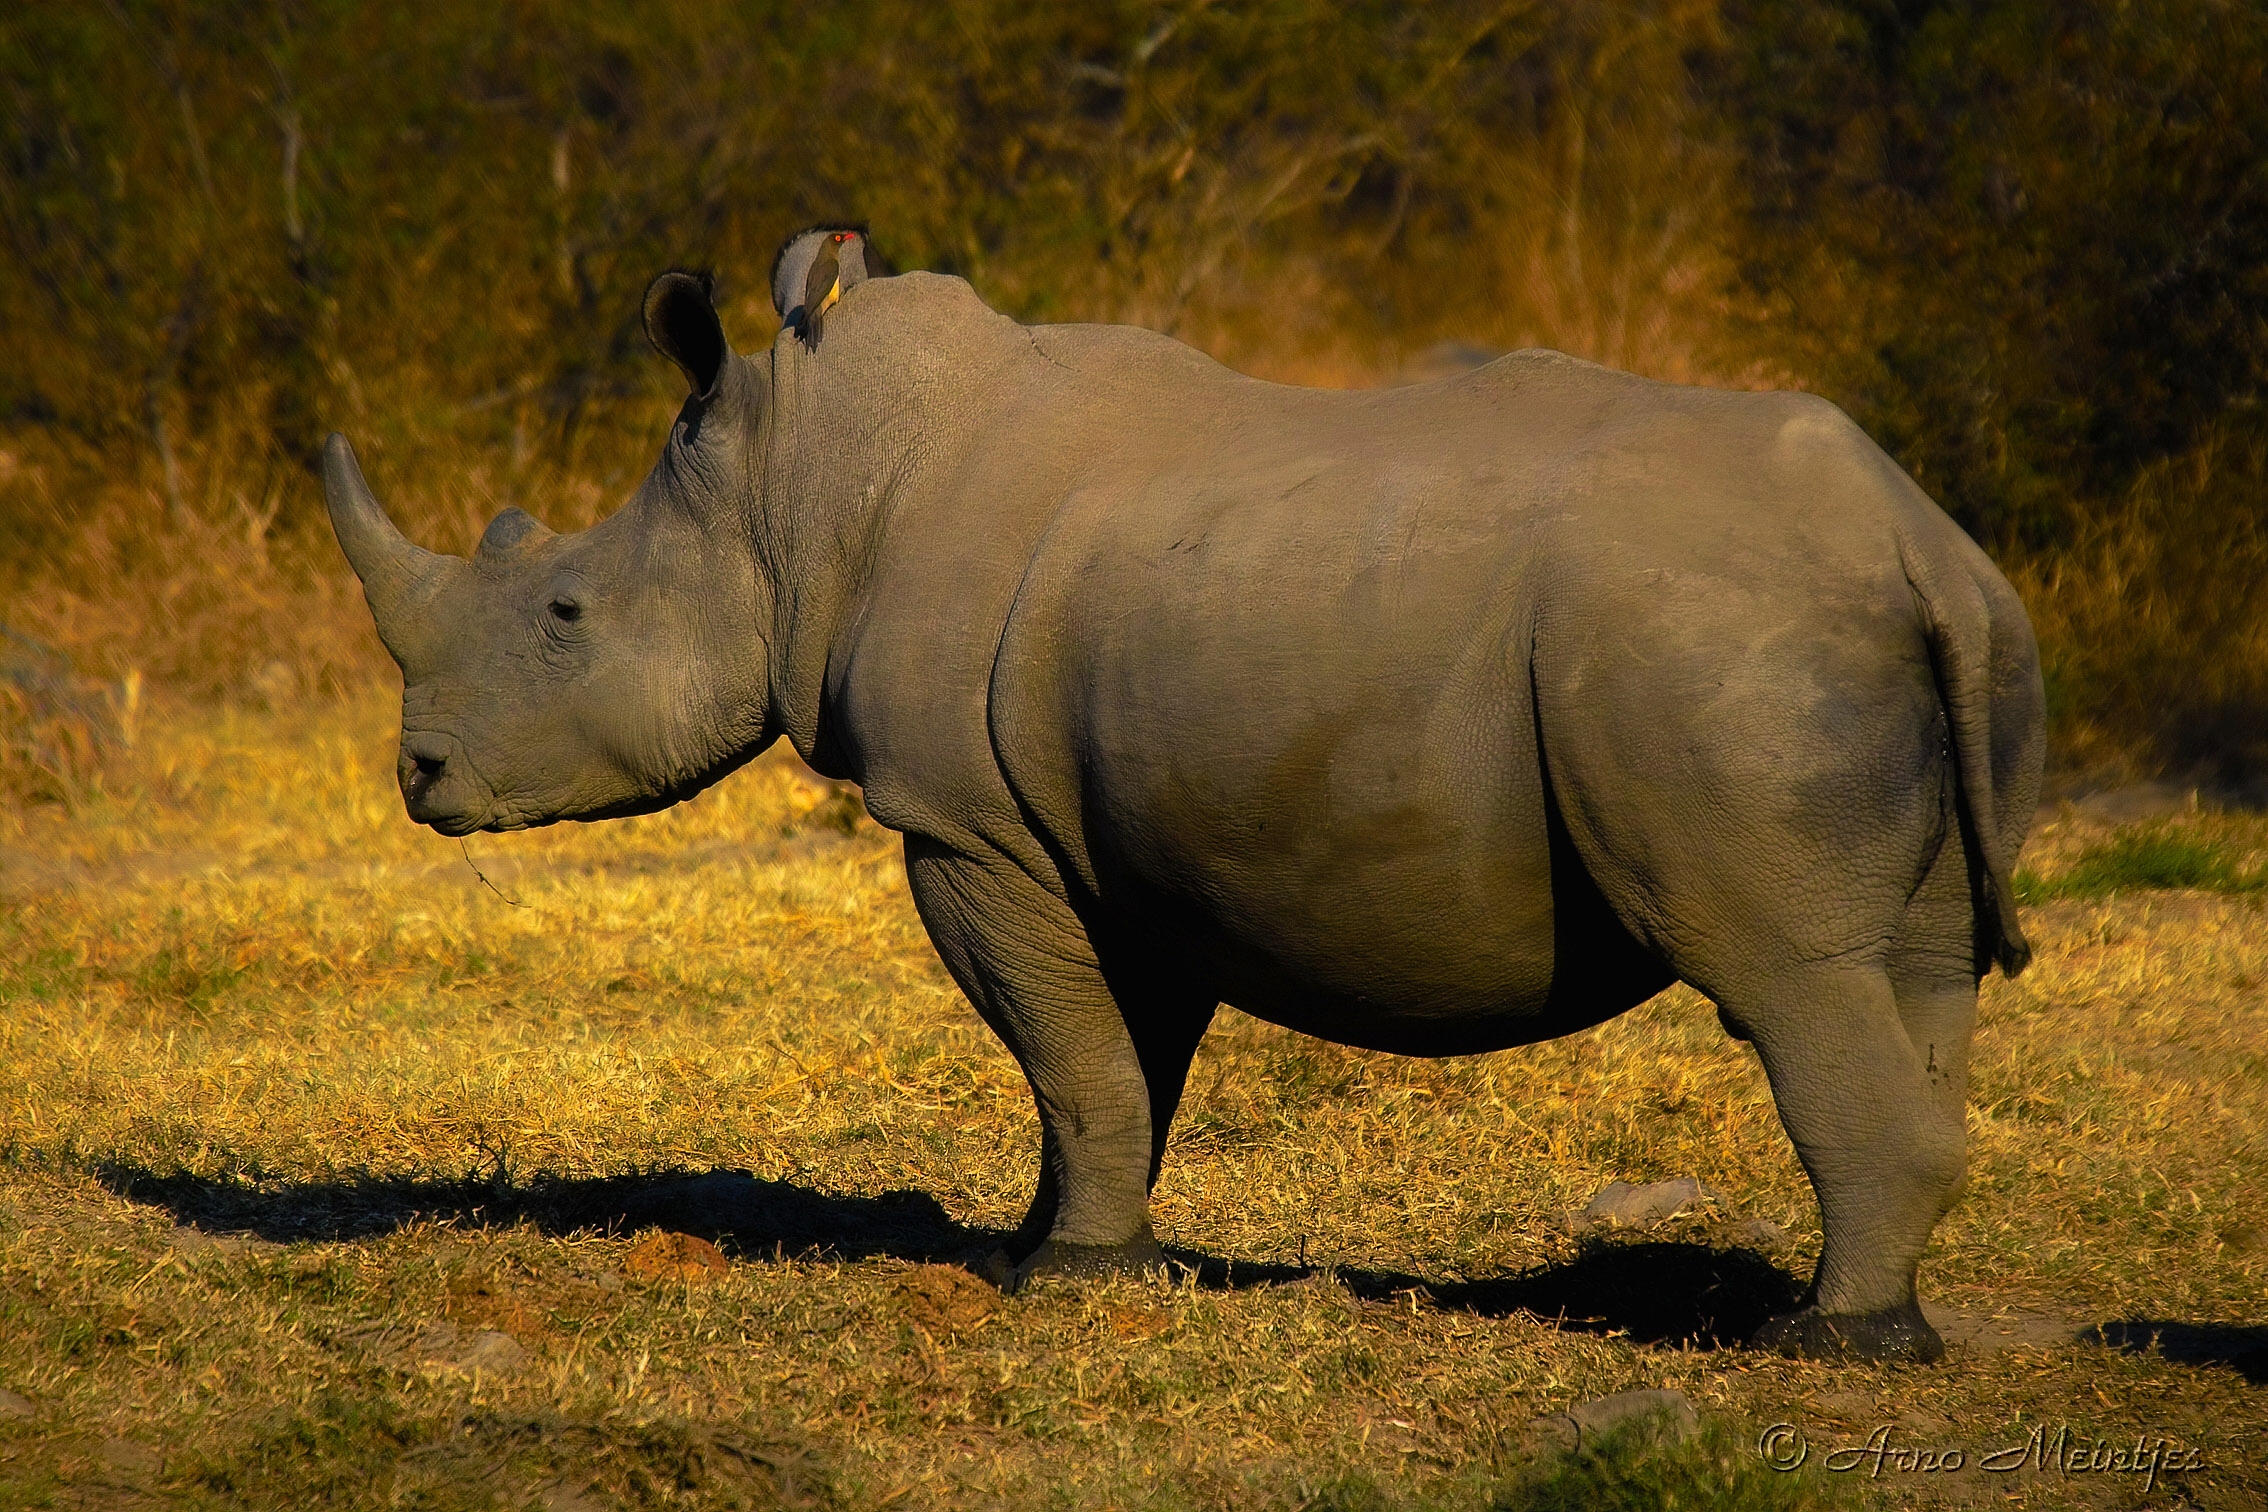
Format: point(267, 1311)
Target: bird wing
point(819, 289)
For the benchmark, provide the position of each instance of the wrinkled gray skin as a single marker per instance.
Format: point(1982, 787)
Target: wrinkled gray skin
point(1431, 720)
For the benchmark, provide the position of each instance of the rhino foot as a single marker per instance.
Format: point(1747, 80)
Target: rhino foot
point(1056, 1257)
point(1899, 1334)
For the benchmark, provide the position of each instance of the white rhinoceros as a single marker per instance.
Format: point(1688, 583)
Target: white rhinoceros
point(1432, 720)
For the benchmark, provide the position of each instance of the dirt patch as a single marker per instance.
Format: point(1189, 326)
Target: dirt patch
point(946, 1299)
point(2002, 1329)
point(188, 1239)
point(1136, 1323)
point(676, 1257)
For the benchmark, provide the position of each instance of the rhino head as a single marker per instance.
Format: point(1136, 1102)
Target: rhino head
point(585, 676)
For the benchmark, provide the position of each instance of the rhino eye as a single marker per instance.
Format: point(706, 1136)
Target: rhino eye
point(566, 610)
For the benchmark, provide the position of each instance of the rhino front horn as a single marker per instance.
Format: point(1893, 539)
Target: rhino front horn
point(398, 576)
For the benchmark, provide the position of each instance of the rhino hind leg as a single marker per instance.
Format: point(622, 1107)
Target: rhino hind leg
point(1933, 971)
point(1871, 1076)
point(1106, 1058)
point(1800, 861)
point(1861, 1102)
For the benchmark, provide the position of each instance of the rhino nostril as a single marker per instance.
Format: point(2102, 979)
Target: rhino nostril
point(428, 759)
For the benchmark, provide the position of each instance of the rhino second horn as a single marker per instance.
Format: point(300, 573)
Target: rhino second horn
point(399, 577)
point(513, 531)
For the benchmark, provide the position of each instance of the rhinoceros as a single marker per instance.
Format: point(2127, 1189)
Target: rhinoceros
point(1431, 720)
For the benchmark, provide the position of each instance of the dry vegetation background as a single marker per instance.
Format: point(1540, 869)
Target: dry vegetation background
point(323, 1164)
point(2025, 243)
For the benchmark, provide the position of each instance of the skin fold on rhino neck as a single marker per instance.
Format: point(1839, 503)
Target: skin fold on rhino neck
point(877, 416)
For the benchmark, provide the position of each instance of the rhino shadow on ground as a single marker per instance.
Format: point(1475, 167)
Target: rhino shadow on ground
point(2241, 1347)
point(1655, 1293)
point(1678, 1294)
point(745, 1215)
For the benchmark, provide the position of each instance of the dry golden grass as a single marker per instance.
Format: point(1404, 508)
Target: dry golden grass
point(322, 1163)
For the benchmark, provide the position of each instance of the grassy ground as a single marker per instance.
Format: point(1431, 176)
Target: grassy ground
point(325, 1164)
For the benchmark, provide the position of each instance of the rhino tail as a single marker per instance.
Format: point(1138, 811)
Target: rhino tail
point(1969, 630)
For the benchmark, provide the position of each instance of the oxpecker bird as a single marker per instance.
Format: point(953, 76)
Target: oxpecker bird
point(815, 270)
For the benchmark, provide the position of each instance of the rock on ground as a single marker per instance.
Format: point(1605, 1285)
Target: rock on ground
point(1619, 1204)
point(488, 1350)
point(1760, 1234)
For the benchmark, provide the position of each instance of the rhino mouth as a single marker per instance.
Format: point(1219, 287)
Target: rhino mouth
point(455, 826)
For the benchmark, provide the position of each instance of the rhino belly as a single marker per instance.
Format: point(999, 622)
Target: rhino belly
point(1440, 921)
point(1430, 981)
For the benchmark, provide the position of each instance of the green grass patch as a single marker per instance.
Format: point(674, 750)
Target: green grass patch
point(2152, 858)
point(1721, 1469)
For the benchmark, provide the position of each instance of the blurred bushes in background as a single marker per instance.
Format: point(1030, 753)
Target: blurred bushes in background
point(2026, 243)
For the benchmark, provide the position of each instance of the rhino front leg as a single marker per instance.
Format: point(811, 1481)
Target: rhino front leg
point(1106, 1056)
point(1165, 1041)
point(1866, 1107)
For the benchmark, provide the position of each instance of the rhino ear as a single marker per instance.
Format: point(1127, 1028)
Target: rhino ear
point(681, 322)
